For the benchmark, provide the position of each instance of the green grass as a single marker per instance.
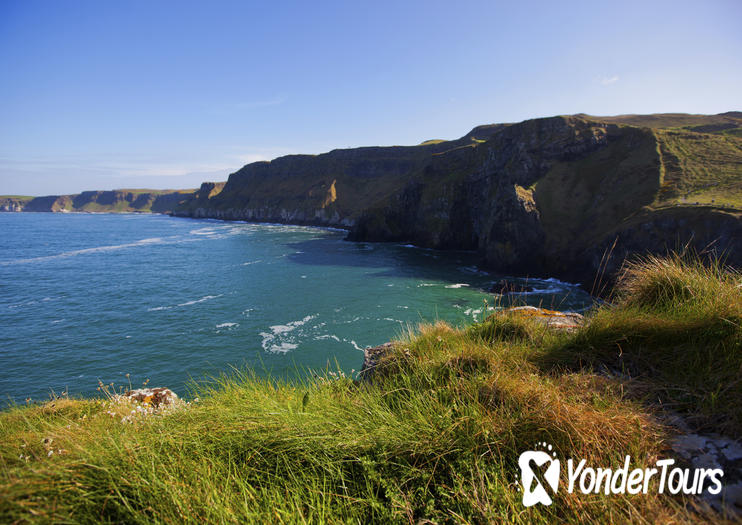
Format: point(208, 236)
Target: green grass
point(16, 197)
point(700, 168)
point(581, 200)
point(435, 436)
point(676, 331)
point(671, 120)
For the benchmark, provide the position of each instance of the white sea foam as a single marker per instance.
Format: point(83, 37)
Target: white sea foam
point(354, 344)
point(227, 325)
point(277, 340)
point(557, 281)
point(187, 303)
point(327, 336)
point(202, 231)
point(204, 298)
point(457, 285)
point(293, 325)
point(282, 348)
point(421, 285)
point(97, 249)
point(158, 308)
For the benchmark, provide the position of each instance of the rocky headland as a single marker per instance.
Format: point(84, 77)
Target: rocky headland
point(114, 201)
point(566, 196)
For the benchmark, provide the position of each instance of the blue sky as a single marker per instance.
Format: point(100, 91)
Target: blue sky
point(158, 94)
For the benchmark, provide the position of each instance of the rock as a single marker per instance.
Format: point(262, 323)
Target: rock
point(371, 358)
point(559, 320)
point(155, 397)
point(714, 451)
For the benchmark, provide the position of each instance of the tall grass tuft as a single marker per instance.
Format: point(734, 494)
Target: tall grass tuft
point(680, 282)
point(675, 329)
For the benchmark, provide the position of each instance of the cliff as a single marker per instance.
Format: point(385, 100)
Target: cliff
point(116, 201)
point(548, 196)
point(567, 196)
point(331, 189)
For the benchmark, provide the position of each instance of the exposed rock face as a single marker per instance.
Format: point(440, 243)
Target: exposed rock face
point(124, 201)
point(371, 359)
point(552, 196)
point(332, 189)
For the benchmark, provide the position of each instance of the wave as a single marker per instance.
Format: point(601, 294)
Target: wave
point(273, 342)
point(187, 303)
point(282, 348)
point(228, 325)
point(202, 231)
point(355, 345)
point(457, 285)
point(204, 298)
point(288, 327)
point(97, 249)
point(327, 336)
point(158, 308)
point(557, 281)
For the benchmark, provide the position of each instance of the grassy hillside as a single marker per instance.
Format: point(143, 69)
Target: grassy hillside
point(723, 122)
point(434, 437)
point(700, 168)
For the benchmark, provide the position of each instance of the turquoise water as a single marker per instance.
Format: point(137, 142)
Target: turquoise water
point(86, 297)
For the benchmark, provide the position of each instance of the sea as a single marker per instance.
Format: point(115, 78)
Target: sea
point(130, 299)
